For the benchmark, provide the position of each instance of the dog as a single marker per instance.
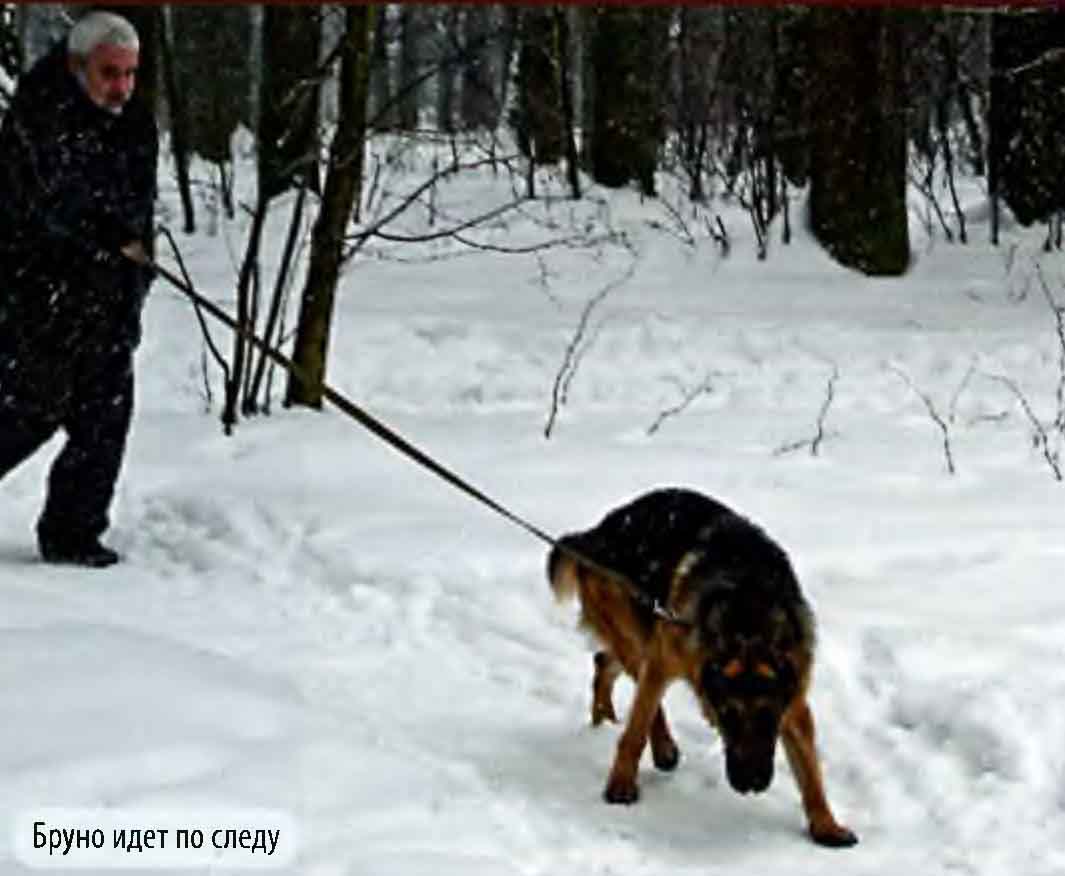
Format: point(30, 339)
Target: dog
point(677, 585)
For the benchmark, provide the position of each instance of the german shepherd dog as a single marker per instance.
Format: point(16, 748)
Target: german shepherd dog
point(730, 620)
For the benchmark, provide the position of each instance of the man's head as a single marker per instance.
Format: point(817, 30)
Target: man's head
point(103, 51)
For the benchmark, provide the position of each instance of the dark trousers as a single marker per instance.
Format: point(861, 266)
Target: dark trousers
point(95, 414)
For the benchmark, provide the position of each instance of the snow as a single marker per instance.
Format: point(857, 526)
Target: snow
point(308, 624)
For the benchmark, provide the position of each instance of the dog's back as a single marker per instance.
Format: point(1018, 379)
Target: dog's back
point(647, 539)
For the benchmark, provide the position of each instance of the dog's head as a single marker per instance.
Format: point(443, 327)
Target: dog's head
point(749, 678)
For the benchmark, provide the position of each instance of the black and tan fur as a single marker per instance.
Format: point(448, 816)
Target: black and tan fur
point(744, 641)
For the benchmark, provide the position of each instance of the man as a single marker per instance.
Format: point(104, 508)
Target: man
point(77, 185)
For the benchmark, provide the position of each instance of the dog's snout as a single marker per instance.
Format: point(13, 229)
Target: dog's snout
point(750, 773)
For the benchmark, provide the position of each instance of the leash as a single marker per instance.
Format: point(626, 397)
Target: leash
point(397, 442)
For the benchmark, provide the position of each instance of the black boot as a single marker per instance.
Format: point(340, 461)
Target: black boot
point(88, 552)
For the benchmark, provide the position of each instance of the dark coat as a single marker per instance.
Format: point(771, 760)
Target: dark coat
point(76, 183)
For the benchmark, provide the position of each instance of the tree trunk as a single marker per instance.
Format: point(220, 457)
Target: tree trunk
point(289, 99)
point(249, 270)
point(219, 101)
point(587, 17)
point(858, 155)
point(538, 121)
point(697, 63)
point(179, 140)
point(445, 77)
point(628, 49)
point(1028, 80)
point(343, 188)
point(479, 106)
point(508, 39)
point(410, 54)
point(566, 87)
point(382, 115)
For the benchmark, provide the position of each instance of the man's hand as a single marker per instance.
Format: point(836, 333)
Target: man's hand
point(134, 251)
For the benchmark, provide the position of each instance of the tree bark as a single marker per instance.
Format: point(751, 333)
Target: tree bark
point(179, 139)
point(566, 87)
point(410, 60)
point(1028, 112)
point(445, 77)
point(858, 154)
point(629, 51)
point(343, 188)
point(479, 105)
point(382, 111)
point(538, 122)
point(289, 99)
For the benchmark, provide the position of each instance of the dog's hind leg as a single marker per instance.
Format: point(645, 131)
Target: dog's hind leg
point(797, 732)
point(607, 670)
point(664, 750)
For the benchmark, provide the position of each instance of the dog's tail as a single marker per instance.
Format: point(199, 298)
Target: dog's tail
point(563, 572)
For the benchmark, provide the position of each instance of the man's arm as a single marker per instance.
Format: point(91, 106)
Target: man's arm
point(51, 206)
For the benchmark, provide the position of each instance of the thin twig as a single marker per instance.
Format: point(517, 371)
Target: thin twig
point(570, 357)
point(205, 330)
point(1059, 329)
point(822, 417)
point(937, 418)
point(365, 234)
point(494, 213)
point(688, 396)
point(962, 386)
point(1040, 435)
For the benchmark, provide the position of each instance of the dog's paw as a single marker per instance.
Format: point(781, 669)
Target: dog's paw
point(621, 791)
point(603, 712)
point(834, 836)
point(666, 757)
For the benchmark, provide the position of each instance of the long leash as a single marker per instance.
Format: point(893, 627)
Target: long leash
point(397, 442)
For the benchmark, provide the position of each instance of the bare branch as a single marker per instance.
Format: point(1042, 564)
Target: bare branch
point(572, 240)
point(962, 386)
point(930, 406)
point(822, 416)
point(683, 232)
point(704, 387)
point(1050, 56)
point(365, 234)
point(209, 342)
point(1059, 329)
point(720, 236)
point(1040, 435)
point(571, 358)
point(925, 187)
point(494, 213)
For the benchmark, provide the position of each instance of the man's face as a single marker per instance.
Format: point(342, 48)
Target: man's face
point(109, 74)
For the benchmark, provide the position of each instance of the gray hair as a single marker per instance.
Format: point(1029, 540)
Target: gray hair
point(101, 29)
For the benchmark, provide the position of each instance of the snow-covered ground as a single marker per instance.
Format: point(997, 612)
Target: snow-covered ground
point(308, 624)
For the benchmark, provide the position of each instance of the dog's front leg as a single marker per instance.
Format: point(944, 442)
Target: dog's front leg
point(797, 731)
point(621, 785)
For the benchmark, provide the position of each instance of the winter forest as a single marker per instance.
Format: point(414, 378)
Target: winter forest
point(758, 107)
point(805, 259)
